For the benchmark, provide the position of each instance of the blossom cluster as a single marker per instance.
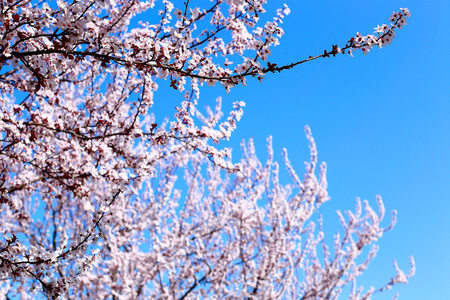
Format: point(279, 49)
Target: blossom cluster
point(42, 264)
point(385, 33)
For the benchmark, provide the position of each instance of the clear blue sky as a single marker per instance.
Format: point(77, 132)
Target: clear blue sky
point(381, 122)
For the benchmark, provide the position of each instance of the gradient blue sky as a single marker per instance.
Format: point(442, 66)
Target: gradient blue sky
point(381, 122)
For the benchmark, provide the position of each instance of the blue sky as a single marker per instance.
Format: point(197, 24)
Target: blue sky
point(381, 122)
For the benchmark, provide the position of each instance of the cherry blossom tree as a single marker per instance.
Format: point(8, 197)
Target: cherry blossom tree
point(98, 201)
